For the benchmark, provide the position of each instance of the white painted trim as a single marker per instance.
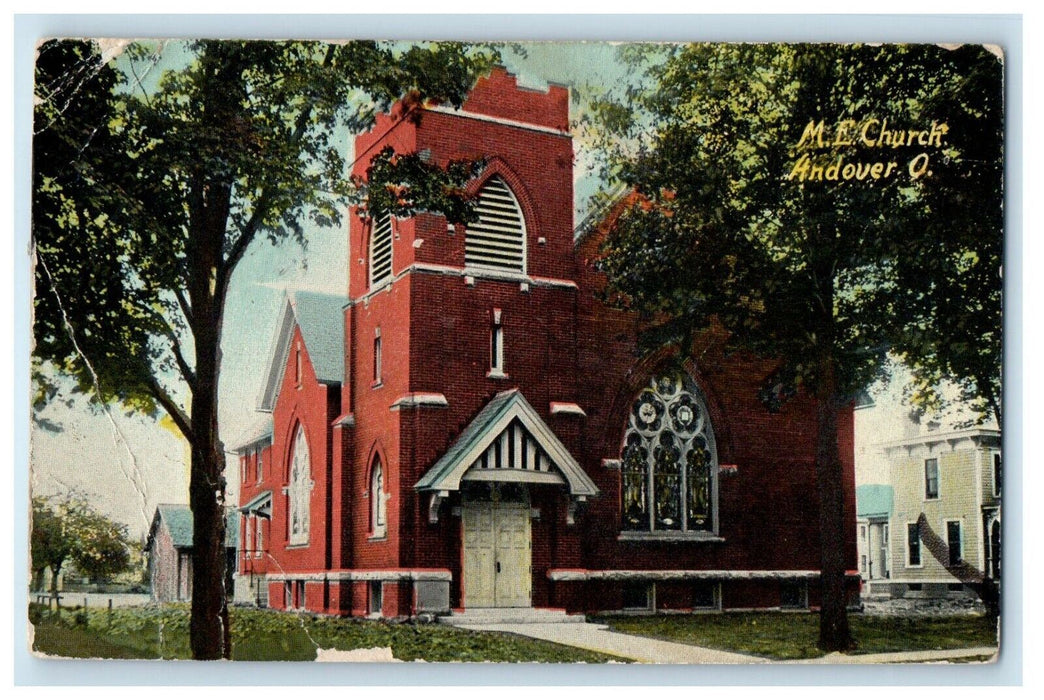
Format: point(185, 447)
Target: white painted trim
point(420, 398)
point(579, 482)
point(566, 408)
point(470, 274)
point(679, 575)
point(365, 575)
point(279, 351)
point(498, 120)
point(974, 434)
point(668, 536)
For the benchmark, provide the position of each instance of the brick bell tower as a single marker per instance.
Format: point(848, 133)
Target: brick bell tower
point(446, 326)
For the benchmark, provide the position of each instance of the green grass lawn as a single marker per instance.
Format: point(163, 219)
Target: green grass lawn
point(266, 635)
point(793, 635)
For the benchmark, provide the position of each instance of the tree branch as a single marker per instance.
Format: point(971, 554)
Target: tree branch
point(180, 418)
point(261, 209)
point(186, 308)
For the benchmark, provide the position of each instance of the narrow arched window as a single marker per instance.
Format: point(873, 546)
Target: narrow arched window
point(669, 465)
point(497, 240)
point(381, 251)
point(299, 490)
point(378, 502)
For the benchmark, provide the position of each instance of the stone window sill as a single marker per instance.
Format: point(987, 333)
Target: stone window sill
point(629, 536)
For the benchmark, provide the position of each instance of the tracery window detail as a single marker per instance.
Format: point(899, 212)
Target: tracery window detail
point(378, 503)
point(300, 490)
point(668, 465)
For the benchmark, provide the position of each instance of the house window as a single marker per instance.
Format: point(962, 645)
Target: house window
point(668, 463)
point(288, 595)
point(913, 544)
point(243, 468)
point(260, 466)
point(862, 563)
point(300, 490)
point(377, 355)
point(496, 346)
point(297, 365)
point(300, 594)
point(376, 597)
point(249, 545)
point(953, 542)
point(378, 503)
point(996, 474)
point(793, 594)
point(638, 596)
point(259, 541)
point(705, 595)
point(497, 240)
point(931, 478)
point(862, 532)
point(381, 251)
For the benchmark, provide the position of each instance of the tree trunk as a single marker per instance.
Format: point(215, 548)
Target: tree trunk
point(55, 572)
point(208, 630)
point(834, 633)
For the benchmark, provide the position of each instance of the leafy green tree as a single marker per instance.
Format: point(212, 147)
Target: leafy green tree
point(70, 530)
point(147, 196)
point(759, 206)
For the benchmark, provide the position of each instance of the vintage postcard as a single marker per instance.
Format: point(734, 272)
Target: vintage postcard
point(533, 352)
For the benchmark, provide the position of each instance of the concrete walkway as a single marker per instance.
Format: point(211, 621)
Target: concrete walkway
point(600, 638)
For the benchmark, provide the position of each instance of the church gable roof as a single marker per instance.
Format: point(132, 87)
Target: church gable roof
point(509, 427)
point(321, 320)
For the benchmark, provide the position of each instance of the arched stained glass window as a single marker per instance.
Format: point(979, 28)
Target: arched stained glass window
point(498, 239)
point(668, 465)
point(299, 490)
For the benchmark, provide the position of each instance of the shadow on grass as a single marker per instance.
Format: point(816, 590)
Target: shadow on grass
point(155, 632)
point(786, 636)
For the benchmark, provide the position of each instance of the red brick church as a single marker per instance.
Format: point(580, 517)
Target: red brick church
point(470, 427)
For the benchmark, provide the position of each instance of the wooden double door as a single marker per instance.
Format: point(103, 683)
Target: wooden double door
point(497, 554)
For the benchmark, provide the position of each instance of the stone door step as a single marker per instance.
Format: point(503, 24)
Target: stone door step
point(510, 616)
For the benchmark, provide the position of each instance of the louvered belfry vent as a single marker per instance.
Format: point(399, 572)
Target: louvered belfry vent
point(498, 239)
point(381, 251)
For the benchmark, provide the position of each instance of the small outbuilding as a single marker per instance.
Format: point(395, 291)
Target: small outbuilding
point(169, 552)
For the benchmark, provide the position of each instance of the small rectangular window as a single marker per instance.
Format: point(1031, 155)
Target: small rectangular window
point(862, 563)
point(300, 594)
point(377, 357)
point(931, 478)
point(705, 595)
point(955, 587)
point(288, 595)
point(249, 533)
point(638, 596)
point(913, 544)
point(258, 537)
point(916, 587)
point(953, 542)
point(376, 597)
point(496, 349)
point(793, 594)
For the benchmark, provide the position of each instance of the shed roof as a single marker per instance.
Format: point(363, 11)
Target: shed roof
point(874, 500)
point(177, 519)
